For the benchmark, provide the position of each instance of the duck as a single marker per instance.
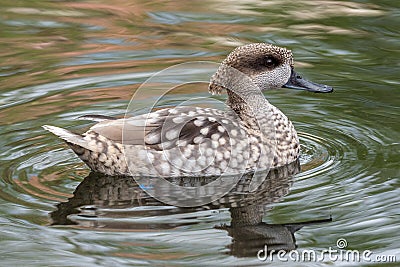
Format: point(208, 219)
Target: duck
point(249, 135)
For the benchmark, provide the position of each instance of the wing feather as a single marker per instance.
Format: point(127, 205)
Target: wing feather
point(167, 128)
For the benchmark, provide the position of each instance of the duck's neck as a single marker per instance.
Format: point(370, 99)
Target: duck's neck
point(251, 107)
point(244, 96)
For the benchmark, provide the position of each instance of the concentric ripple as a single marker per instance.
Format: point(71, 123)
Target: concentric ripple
point(37, 166)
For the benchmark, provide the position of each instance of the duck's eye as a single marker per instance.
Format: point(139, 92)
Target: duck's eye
point(270, 62)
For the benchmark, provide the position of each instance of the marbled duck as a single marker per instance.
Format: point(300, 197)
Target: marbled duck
point(195, 141)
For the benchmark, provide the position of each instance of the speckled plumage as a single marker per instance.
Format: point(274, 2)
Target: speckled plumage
point(194, 141)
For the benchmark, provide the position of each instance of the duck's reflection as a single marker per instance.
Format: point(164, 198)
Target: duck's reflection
point(251, 235)
point(119, 203)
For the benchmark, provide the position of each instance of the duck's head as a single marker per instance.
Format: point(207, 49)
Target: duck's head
point(267, 66)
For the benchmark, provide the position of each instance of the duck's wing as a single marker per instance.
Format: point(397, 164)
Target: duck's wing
point(171, 127)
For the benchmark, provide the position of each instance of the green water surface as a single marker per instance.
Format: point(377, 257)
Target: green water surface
point(63, 59)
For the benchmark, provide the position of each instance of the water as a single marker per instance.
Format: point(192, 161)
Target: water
point(60, 60)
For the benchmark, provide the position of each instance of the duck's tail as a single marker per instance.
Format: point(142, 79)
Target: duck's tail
point(67, 136)
point(87, 148)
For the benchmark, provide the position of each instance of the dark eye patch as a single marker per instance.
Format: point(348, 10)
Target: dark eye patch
point(270, 62)
point(263, 62)
point(258, 63)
